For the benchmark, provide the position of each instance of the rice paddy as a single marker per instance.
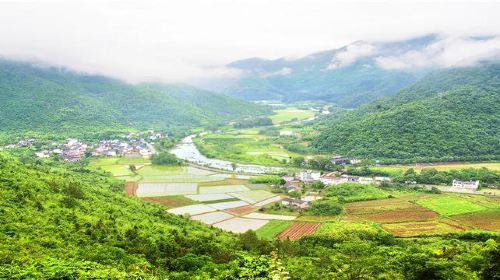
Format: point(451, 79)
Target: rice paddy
point(223, 189)
point(192, 209)
point(213, 217)
point(165, 189)
point(240, 225)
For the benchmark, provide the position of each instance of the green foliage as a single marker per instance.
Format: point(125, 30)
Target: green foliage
point(165, 158)
point(267, 179)
point(325, 208)
point(69, 222)
point(253, 122)
point(486, 176)
point(350, 192)
point(434, 120)
point(49, 101)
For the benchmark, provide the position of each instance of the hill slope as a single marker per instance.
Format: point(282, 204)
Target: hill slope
point(65, 222)
point(448, 115)
point(60, 101)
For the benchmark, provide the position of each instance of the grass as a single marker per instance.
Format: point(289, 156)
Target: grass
point(270, 230)
point(448, 205)
point(290, 114)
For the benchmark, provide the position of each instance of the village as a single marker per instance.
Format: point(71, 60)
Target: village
point(73, 150)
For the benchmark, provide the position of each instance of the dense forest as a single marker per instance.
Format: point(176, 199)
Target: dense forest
point(50, 100)
point(449, 115)
point(64, 221)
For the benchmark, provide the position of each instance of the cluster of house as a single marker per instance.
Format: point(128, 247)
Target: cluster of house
point(134, 148)
point(71, 150)
point(23, 143)
point(293, 183)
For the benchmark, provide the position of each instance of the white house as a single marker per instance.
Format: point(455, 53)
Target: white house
point(469, 185)
point(308, 176)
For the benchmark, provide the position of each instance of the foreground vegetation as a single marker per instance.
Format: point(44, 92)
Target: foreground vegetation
point(65, 221)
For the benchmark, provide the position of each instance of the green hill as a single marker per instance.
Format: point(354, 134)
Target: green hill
point(53, 100)
point(448, 115)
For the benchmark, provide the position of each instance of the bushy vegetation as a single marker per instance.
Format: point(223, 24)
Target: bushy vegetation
point(165, 158)
point(253, 122)
point(434, 120)
point(325, 208)
point(350, 192)
point(486, 176)
point(267, 179)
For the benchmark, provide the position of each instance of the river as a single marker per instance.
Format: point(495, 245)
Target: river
point(187, 150)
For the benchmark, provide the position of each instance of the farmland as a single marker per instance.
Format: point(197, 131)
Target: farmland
point(448, 205)
point(290, 114)
point(272, 229)
point(266, 145)
point(298, 230)
point(230, 203)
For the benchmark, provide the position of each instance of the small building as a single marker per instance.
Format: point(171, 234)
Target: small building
point(43, 154)
point(332, 178)
point(344, 160)
point(295, 203)
point(308, 176)
point(467, 185)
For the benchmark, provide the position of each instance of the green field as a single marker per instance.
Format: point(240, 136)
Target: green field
point(273, 228)
point(448, 205)
point(290, 114)
point(244, 148)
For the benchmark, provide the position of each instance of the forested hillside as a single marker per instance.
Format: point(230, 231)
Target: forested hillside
point(448, 115)
point(52, 100)
point(64, 222)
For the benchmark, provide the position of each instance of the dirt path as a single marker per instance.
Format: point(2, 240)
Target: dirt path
point(131, 188)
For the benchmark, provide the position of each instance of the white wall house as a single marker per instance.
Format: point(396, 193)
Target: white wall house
point(471, 185)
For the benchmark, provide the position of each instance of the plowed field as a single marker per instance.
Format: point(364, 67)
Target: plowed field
point(298, 230)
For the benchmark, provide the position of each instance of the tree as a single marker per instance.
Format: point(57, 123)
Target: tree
point(132, 168)
point(317, 185)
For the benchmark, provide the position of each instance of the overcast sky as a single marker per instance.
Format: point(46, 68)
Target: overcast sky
point(174, 41)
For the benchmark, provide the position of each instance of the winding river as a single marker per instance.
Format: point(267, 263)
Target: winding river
point(187, 150)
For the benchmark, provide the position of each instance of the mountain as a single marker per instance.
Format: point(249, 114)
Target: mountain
point(348, 76)
point(49, 99)
point(356, 74)
point(448, 115)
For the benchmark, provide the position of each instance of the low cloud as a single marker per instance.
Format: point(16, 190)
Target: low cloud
point(444, 53)
point(351, 54)
point(282, 72)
